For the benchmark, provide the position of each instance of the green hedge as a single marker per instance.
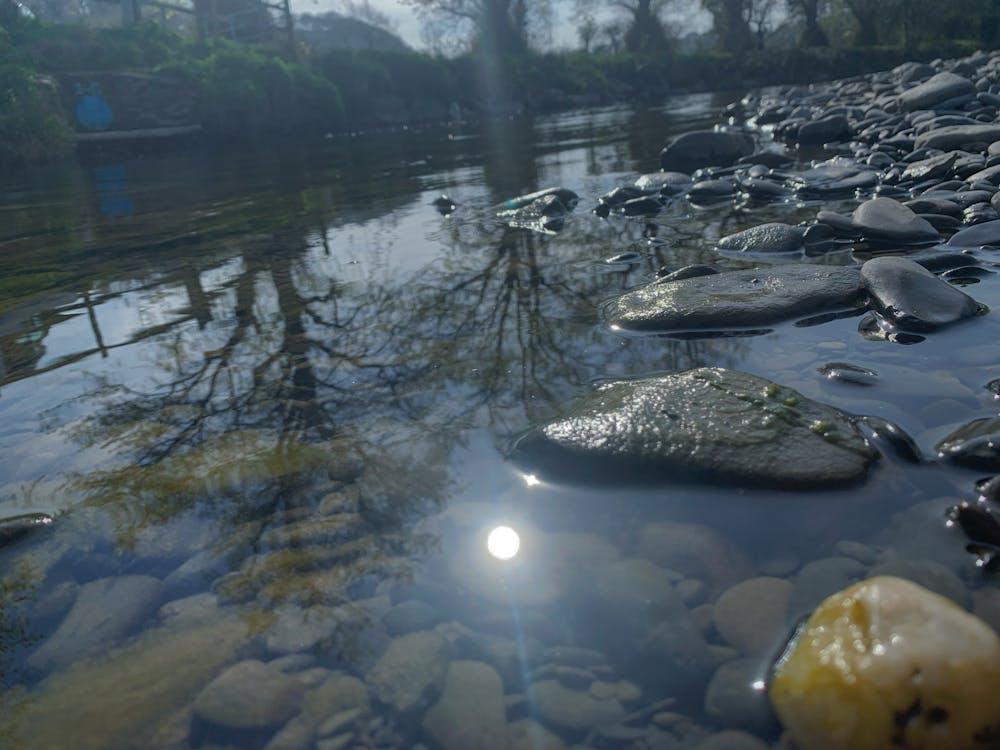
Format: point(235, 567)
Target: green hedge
point(31, 122)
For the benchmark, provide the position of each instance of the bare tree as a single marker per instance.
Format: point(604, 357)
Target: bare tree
point(810, 11)
point(587, 31)
point(614, 34)
point(730, 19)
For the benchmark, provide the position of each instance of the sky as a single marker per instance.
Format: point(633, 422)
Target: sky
point(564, 29)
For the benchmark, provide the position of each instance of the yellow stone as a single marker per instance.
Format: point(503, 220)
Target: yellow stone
point(888, 665)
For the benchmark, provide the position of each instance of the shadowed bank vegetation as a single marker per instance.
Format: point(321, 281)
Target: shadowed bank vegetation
point(250, 92)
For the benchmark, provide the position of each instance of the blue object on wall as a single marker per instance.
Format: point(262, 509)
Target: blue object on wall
point(92, 112)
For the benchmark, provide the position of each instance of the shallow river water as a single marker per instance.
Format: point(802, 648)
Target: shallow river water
point(268, 399)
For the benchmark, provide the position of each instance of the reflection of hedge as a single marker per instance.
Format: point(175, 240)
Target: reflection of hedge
point(245, 92)
point(31, 122)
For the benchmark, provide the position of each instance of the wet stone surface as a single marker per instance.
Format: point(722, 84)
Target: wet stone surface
point(709, 424)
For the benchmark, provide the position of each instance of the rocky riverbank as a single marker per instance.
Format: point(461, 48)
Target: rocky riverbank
point(335, 602)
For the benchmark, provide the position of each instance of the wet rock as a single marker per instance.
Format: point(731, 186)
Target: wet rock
point(925, 674)
point(887, 220)
point(665, 183)
point(986, 233)
point(573, 710)
point(830, 128)
point(935, 168)
point(469, 715)
point(976, 445)
point(645, 206)
point(769, 159)
point(111, 700)
point(299, 629)
point(848, 373)
point(819, 579)
point(339, 697)
point(913, 298)
point(249, 696)
point(711, 191)
point(528, 734)
point(409, 616)
point(961, 137)
point(736, 697)
point(931, 575)
point(546, 214)
point(837, 176)
point(710, 424)
point(412, 666)
point(736, 299)
point(14, 528)
point(634, 612)
point(766, 238)
point(753, 615)
point(105, 611)
point(940, 88)
point(704, 148)
point(444, 204)
point(687, 272)
point(566, 197)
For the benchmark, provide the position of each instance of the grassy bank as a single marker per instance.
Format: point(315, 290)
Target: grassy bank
point(243, 92)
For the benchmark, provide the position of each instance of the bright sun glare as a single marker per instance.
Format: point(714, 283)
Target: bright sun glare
point(503, 542)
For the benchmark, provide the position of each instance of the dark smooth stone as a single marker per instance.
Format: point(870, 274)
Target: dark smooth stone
point(737, 299)
point(14, 528)
point(766, 238)
point(687, 272)
point(848, 373)
point(708, 424)
point(887, 220)
point(913, 298)
point(889, 437)
point(646, 206)
point(704, 148)
point(708, 191)
point(987, 233)
point(975, 445)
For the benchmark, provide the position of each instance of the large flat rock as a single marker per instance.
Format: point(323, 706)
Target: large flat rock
point(736, 299)
point(708, 424)
point(938, 89)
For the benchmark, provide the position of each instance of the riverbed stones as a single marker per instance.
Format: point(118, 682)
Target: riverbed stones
point(964, 137)
point(470, 713)
point(105, 611)
point(564, 708)
point(412, 666)
point(249, 696)
point(694, 550)
point(975, 445)
point(121, 697)
point(736, 299)
point(940, 88)
point(980, 235)
point(913, 298)
point(766, 238)
point(709, 424)
point(752, 615)
point(821, 131)
point(736, 696)
point(704, 148)
point(885, 220)
point(886, 663)
point(636, 614)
